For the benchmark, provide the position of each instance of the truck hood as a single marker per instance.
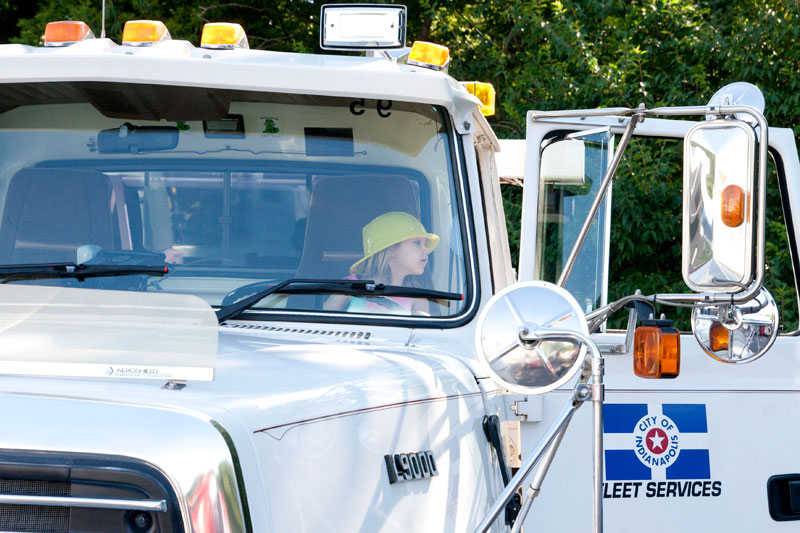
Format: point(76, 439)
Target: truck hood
point(294, 414)
point(298, 381)
point(126, 346)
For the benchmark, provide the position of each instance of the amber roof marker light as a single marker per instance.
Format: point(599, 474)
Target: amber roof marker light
point(485, 93)
point(223, 36)
point(66, 32)
point(429, 55)
point(144, 33)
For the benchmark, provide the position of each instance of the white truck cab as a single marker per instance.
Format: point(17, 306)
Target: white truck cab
point(209, 320)
point(174, 221)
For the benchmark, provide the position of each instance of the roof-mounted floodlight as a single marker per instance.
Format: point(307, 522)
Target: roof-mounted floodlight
point(66, 32)
point(362, 27)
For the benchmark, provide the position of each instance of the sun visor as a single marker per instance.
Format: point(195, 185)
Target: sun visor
point(56, 331)
point(156, 102)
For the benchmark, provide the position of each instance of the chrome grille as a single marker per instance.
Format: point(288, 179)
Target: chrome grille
point(53, 492)
point(47, 519)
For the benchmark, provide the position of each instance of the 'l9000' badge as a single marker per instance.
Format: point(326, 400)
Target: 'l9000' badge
point(409, 466)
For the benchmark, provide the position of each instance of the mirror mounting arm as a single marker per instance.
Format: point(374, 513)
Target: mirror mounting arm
point(544, 450)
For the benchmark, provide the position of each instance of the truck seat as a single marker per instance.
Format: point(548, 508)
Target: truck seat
point(340, 207)
point(50, 212)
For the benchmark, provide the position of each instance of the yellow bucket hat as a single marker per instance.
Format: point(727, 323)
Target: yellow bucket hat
point(390, 229)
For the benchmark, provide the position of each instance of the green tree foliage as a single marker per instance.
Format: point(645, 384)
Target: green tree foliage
point(553, 54)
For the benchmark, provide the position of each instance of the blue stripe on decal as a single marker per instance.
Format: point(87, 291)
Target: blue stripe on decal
point(691, 464)
point(623, 464)
point(689, 417)
point(622, 417)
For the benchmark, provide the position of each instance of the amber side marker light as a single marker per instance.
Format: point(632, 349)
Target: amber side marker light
point(485, 93)
point(66, 32)
point(429, 55)
point(656, 350)
point(144, 33)
point(719, 337)
point(732, 199)
point(223, 36)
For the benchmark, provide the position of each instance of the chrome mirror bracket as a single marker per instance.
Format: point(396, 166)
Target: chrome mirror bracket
point(532, 337)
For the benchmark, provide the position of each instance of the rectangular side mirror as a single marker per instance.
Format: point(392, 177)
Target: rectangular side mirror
point(718, 187)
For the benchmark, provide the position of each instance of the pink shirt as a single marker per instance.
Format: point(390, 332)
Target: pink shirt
point(369, 304)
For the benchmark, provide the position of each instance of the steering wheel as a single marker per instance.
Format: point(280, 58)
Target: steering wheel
point(245, 290)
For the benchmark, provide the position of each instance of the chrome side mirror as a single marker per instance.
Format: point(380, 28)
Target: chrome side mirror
point(524, 337)
point(737, 334)
point(718, 185)
point(532, 338)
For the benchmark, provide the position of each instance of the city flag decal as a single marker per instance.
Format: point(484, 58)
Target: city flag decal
point(655, 450)
point(656, 441)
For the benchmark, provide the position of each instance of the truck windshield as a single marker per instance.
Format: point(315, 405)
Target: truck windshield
point(236, 190)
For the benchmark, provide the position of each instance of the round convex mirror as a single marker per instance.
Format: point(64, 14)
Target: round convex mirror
point(508, 337)
point(739, 93)
point(737, 334)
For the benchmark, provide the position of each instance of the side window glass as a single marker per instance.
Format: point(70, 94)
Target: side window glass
point(572, 171)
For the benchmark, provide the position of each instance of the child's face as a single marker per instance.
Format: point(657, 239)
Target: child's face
point(409, 257)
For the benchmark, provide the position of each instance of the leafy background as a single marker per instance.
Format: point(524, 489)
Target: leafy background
point(551, 54)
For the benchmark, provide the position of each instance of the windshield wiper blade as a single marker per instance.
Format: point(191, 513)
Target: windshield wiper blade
point(78, 271)
point(333, 286)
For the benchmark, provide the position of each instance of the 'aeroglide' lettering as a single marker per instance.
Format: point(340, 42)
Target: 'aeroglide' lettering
point(409, 466)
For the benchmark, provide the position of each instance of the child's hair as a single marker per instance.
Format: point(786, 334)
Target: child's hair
point(378, 268)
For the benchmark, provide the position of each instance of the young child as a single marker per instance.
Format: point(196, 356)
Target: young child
point(396, 248)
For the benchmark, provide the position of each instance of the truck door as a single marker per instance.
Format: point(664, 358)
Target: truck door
point(711, 448)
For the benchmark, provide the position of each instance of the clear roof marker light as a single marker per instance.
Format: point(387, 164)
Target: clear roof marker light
point(362, 27)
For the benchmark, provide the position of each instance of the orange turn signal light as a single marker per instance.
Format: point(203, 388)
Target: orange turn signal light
point(656, 351)
point(66, 32)
point(485, 93)
point(732, 206)
point(144, 33)
point(429, 55)
point(719, 337)
point(224, 36)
